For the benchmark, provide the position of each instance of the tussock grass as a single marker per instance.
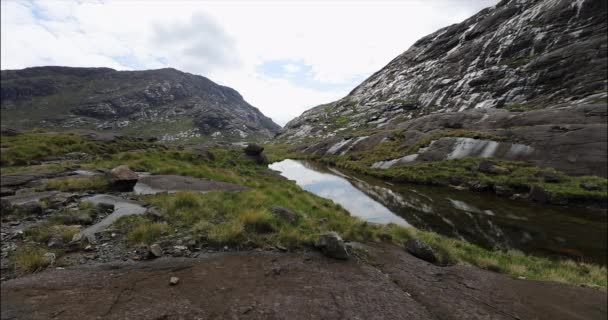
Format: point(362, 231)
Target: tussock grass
point(98, 183)
point(147, 233)
point(29, 259)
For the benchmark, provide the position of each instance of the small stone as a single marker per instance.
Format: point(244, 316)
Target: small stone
point(173, 281)
point(88, 248)
point(49, 257)
point(156, 250)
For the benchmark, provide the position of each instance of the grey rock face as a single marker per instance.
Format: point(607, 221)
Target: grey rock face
point(531, 73)
point(332, 245)
point(102, 98)
point(420, 249)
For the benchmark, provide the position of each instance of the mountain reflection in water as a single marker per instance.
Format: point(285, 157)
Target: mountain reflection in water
point(483, 219)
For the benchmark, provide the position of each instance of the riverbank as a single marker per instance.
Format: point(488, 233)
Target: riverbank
point(513, 179)
point(188, 223)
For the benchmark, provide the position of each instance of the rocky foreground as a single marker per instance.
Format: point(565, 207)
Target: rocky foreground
point(254, 285)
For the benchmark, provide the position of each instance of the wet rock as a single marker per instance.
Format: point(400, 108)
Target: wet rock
point(502, 190)
point(156, 250)
point(590, 186)
point(173, 281)
point(479, 186)
point(332, 245)
point(123, 179)
point(285, 214)
point(491, 167)
point(421, 250)
point(539, 194)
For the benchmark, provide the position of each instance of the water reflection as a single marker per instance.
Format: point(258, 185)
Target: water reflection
point(483, 219)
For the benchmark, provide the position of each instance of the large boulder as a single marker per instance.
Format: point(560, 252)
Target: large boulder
point(254, 153)
point(539, 194)
point(421, 250)
point(332, 245)
point(122, 178)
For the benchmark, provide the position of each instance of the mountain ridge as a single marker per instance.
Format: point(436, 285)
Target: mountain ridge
point(144, 102)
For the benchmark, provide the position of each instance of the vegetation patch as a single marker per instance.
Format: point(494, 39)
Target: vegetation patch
point(98, 183)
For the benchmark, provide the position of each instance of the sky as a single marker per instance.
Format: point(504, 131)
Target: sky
point(284, 57)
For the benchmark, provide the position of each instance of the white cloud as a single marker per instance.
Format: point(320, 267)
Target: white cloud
point(227, 41)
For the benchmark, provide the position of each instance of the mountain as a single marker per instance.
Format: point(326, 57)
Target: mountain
point(523, 80)
point(165, 103)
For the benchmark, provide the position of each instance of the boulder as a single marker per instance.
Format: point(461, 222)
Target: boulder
point(254, 153)
point(123, 179)
point(479, 186)
point(421, 250)
point(253, 150)
point(285, 214)
point(332, 245)
point(539, 194)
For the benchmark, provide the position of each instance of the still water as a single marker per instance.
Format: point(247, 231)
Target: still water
point(484, 219)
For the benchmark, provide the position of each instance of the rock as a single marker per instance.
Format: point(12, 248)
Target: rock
point(253, 149)
point(123, 179)
point(103, 207)
point(539, 194)
point(76, 156)
point(332, 245)
point(31, 207)
point(590, 186)
point(6, 192)
point(156, 250)
point(153, 213)
point(173, 281)
point(50, 258)
point(420, 249)
point(6, 207)
point(9, 132)
point(203, 151)
point(502, 190)
point(549, 176)
point(479, 186)
point(285, 214)
point(491, 167)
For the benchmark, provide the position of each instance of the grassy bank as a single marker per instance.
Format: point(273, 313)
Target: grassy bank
point(246, 220)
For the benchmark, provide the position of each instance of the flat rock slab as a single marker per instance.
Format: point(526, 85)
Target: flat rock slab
point(171, 183)
point(252, 285)
point(19, 179)
point(22, 198)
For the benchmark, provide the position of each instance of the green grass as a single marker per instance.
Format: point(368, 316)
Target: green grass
point(97, 183)
point(29, 259)
point(31, 147)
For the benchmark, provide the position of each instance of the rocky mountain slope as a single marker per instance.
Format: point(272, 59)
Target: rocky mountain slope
point(165, 103)
point(523, 80)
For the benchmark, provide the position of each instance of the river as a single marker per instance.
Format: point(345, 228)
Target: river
point(484, 219)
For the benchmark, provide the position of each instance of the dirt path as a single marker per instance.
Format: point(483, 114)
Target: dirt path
point(291, 286)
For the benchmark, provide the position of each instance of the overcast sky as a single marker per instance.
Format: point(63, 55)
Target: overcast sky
point(283, 57)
